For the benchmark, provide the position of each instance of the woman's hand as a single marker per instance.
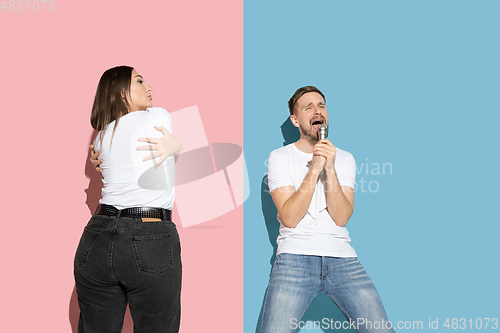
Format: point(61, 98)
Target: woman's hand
point(166, 146)
point(93, 159)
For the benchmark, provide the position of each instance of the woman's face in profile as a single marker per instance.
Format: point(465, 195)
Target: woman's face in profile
point(140, 93)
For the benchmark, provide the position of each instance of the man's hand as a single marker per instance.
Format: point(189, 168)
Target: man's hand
point(166, 146)
point(327, 151)
point(93, 159)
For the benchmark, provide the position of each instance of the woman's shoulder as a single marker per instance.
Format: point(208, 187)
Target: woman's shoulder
point(159, 116)
point(158, 110)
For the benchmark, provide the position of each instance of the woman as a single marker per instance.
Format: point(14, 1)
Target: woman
point(129, 251)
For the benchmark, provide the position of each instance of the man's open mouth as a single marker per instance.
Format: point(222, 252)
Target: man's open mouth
point(318, 121)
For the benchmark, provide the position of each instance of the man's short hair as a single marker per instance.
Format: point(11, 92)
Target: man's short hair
point(298, 94)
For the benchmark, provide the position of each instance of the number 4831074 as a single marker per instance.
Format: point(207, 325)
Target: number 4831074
point(34, 5)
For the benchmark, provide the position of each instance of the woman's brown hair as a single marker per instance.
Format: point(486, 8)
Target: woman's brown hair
point(111, 99)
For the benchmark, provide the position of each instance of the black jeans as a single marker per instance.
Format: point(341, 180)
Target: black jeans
point(122, 260)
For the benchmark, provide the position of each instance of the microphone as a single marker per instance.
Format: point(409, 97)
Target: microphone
point(322, 131)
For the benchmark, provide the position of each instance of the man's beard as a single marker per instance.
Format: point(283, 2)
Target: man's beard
point(310, 134)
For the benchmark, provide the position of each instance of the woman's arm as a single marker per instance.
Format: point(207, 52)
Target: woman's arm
point(166, 146)
point(93, 159)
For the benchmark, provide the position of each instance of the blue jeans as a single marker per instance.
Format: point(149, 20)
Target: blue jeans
point(297, 279)
point(125, 260)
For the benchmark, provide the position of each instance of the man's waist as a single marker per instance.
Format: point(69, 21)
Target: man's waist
point(319, 245)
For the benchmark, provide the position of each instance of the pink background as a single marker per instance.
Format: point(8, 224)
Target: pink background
point(191, 53)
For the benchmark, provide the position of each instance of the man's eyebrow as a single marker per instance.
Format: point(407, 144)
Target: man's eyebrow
point(320, 103)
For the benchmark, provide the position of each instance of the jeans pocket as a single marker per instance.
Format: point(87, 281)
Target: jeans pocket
point(84, 247)
point(153, 254)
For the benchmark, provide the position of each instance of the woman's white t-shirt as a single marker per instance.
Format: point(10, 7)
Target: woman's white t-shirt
point(127, 180)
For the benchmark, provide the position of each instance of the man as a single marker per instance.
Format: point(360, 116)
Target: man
point(312, 185)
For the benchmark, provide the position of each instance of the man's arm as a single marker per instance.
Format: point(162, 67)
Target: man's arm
point(293, 205)
point(339, 199)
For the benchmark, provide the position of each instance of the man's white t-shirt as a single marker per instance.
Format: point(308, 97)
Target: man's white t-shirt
point(127, 180)
point(316, 234)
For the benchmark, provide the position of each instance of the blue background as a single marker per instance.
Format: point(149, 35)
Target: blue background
point(410, 83)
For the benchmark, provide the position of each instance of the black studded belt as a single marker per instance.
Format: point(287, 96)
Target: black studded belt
point(139, 212)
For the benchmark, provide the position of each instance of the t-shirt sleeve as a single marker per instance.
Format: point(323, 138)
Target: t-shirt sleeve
point(278, 173)
point(348, 175)
point(167, 121)
point(97, 142)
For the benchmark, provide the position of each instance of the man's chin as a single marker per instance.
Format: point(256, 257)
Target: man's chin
point(313, 137)
point(310, 135)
